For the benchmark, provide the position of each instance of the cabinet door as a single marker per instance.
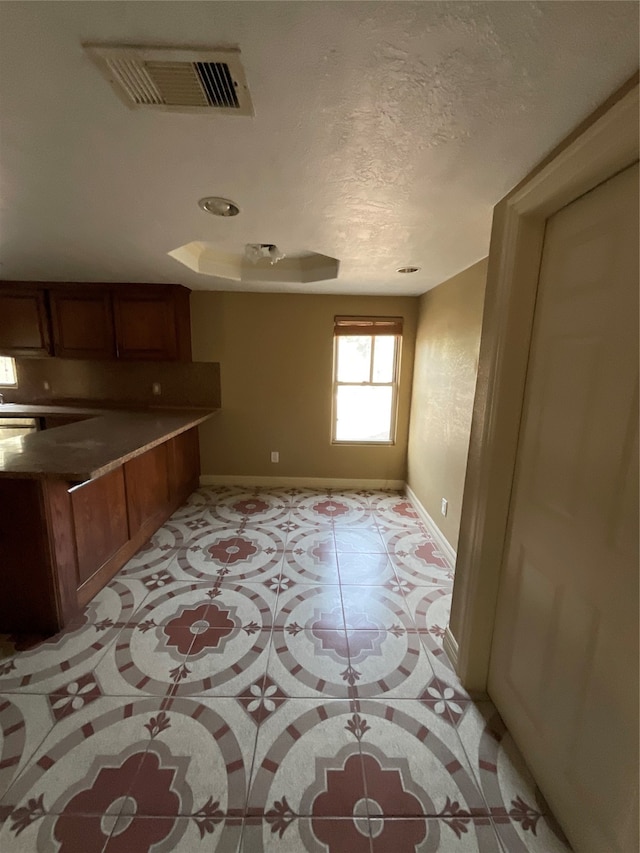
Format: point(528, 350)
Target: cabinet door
point(100, 521)
point(24, 325)
point(145, 325)
point(27, 603)
point(184, 464)
point(147, 482)
point(82, 323)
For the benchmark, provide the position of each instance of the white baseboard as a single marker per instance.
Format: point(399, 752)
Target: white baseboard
point(438, 535)
point(299, 482)
point(450, 645)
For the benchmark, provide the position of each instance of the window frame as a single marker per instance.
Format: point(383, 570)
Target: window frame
point(394, 384)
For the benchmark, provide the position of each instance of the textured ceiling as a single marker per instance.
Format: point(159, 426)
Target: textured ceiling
point(384, 133)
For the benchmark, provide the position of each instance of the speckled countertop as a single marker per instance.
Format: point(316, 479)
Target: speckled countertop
point(81, 451)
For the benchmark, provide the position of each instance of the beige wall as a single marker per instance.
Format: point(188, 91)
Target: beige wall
point(276, 355)
point(447, 344)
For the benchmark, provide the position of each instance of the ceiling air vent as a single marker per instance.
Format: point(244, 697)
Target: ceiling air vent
point(175, 79)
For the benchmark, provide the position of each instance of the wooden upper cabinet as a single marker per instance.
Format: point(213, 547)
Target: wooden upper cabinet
point(24, 322)
point(145, 326)
point(152, 323)
point(82, 321)
point(106, 321)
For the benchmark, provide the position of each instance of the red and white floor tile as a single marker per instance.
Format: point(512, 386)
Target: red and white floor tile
point(266, 674)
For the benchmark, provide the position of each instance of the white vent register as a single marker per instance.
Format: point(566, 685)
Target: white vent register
point(174, 79)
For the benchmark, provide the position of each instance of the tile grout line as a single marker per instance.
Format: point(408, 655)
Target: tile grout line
point(270, 651)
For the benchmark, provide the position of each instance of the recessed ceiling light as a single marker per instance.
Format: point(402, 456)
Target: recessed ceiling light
point(219, 206)
point(408, 269)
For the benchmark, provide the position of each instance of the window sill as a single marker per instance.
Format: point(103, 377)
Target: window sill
point(364, 443)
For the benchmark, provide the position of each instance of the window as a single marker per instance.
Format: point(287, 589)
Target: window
point(7, 371)
point(365, 379)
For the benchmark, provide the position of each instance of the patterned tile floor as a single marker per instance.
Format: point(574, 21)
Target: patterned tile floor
point(267, 674)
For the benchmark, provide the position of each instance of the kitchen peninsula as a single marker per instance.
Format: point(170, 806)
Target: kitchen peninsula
point(77, 501)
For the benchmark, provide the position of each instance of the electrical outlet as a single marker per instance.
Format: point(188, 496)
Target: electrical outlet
point(275, 456)
point(156, 389)
point(444, 506)
point(46, 385)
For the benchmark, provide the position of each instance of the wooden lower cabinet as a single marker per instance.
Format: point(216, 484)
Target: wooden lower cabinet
point(28, 588)
point(100, 523)
point(61, 542)
point(147, 479)
point(184, 463)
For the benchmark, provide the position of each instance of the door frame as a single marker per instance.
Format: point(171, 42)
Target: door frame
point(603, 145)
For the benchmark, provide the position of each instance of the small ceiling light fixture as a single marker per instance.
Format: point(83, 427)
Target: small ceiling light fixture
point(256, 251)
point(407, 270)
point(219, 206)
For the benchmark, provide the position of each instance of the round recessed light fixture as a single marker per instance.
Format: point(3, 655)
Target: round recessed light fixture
point(407, 270)
point(219, 206)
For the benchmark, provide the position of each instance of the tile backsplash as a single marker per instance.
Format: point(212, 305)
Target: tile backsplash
point(119, 383)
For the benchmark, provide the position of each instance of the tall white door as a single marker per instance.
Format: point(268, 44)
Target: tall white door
point(564, 660)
